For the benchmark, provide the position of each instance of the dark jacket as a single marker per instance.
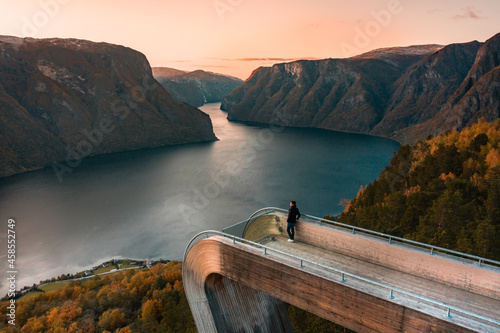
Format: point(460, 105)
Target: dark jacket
point(293, 214)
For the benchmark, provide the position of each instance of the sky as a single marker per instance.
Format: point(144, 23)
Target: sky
point(235, 37)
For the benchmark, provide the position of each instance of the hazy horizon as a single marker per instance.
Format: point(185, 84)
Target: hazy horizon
point(236, 36)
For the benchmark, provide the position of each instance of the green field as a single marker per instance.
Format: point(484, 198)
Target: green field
point(54, 286)
point(103, 269)
point(46, 288)
point(128, 266)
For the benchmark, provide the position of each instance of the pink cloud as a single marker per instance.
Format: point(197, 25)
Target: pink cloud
point(266, 59)
point(468, 13)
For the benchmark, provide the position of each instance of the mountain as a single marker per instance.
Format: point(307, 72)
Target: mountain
point(426, 87)
point(340, 94)
point(477, 96)
point(403, 93)
point(65, 99)
point(196, 88)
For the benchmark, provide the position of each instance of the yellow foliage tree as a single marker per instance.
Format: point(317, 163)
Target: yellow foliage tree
point(151, 310)
point(112, 319)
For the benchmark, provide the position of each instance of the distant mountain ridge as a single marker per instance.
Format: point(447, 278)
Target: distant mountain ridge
point(403, 93)
point(198, 87)
point(412, 50)
point(65, 99)
point(167, 72)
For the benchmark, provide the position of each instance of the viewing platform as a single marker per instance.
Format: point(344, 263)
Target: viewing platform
point(238, 279)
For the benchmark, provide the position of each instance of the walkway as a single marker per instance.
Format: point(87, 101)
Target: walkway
point(363, 280)
point(439, 292)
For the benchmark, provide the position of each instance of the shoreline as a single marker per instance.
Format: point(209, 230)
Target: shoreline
point(88, 274)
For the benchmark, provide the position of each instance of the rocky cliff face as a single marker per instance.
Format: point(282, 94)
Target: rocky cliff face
point(425, 87)
point(65, 99)
point(400, 93)
point(196, 88)
point(477, 96)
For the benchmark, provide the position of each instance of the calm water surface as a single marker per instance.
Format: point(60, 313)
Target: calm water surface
point(150, 203)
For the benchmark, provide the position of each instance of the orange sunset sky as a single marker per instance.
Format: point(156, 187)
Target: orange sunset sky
point(236, 36)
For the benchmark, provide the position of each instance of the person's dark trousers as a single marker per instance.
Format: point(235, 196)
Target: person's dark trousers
point(290, 229)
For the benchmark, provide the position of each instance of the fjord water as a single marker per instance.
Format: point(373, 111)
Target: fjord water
point(150, 203)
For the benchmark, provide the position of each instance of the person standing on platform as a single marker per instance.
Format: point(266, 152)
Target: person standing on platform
point(293, 216)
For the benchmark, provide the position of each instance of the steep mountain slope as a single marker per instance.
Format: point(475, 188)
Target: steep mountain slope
point(478, 95)
point(340, 94)
point(400, 93)
point(238, 93)
point(196, 88)
point(65, 99)
point(426, 86)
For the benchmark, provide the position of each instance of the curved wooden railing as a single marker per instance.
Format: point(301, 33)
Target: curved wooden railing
point(343, 276)
point(390, 239)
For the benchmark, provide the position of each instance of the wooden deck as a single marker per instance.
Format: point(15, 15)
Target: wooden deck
point(447, 280)
point(361, 281)
point(478, 304)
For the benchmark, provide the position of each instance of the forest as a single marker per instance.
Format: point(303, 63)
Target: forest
point(147, 300)
point(444, 191)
